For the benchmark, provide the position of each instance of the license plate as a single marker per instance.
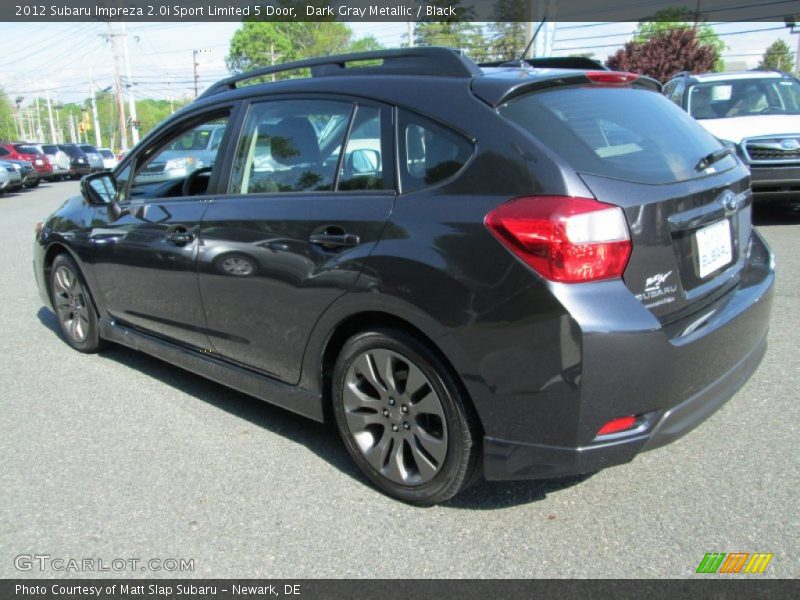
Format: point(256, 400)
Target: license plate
point(713, 247)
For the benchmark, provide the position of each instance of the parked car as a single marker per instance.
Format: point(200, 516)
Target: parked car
point(109, 160)
point(5, 180)
point(78, 162)
point(30, 178)
point(14, 173)
point(58, 159)
point(757, 114)
point(30, 154)
point(94, 156)
point(193, 150)
point(521, 273)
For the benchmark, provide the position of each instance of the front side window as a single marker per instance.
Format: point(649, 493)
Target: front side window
point(290, 146)
point(429, 152)
point(188, 152)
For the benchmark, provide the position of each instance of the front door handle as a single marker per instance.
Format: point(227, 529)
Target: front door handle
point(179, 236)
point(331, 241)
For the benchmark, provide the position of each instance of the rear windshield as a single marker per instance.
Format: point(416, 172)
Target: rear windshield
point(72, 151)
point(50, 149)
point(629, 134)
point(87, 148)
point(106, 153)
point(25, 149)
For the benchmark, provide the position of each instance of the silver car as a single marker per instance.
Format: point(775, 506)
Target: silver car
point(14, 173)
point(94, 157)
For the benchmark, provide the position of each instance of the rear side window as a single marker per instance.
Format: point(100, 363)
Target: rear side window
point(622, 133)
point(429, 152)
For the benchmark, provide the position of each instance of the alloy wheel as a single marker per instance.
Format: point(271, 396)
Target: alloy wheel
point(70, 304)
point(395, 417)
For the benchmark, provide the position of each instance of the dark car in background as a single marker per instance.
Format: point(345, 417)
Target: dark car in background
point(519, 274)
point(79, 164)
point(30, 154)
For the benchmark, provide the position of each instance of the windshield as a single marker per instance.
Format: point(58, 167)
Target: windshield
point(744, 98)
point(625, 133)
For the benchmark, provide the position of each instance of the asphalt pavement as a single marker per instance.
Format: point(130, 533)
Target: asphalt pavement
point(121, 456)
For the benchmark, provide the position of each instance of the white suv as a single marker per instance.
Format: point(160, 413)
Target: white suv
point(757, 113)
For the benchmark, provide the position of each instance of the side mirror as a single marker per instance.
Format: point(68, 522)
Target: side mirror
point(363, 161)
point(99, 188)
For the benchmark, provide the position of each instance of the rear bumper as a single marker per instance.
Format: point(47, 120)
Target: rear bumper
point(671, 377)
point(775, 182)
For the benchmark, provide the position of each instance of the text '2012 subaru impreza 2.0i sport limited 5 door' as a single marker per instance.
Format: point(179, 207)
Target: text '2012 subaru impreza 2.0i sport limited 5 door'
point(511, 272)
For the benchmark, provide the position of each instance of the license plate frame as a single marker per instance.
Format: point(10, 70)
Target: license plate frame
point(714, 247)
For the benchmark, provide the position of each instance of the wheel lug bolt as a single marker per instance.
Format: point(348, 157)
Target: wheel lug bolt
point(394, 428)
point(406, 426)
point(385, 413)
point(391, 401)
point(404, 408)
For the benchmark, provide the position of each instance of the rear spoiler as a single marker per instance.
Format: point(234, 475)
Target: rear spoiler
point(495, 90)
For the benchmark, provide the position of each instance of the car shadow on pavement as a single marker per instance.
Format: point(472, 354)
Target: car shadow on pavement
point(320, 438)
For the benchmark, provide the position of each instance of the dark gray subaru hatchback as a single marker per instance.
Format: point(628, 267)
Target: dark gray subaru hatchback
point(511, 272)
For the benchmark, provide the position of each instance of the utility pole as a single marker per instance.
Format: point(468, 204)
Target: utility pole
point(131, 98)
point(50, 114)
point(38, 121)
point(195, 64)
point(98, 140)
point(72, 136)
point(123, 134)
point(410, 33)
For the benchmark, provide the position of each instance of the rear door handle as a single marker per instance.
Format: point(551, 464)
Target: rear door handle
point(334, 240)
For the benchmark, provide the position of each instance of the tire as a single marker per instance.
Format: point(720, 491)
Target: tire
point(419, 445)
point(75, 310)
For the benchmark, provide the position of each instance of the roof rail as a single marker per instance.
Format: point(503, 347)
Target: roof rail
point(430, 60)
point(551, 62)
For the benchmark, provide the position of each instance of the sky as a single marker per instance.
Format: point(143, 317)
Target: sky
point(62, 58)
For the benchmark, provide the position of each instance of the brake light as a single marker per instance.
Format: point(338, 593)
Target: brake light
point(611, 77)
point(617, 425)
point(564, 239)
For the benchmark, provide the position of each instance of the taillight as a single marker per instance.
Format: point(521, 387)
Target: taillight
point(562, 238)
point(611, 77)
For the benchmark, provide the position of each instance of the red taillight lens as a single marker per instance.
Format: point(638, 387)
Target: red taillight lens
point(611, 77)
point(617, 425)
point(564, 239)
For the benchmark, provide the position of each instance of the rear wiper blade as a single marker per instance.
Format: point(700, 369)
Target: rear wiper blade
point(710, 159)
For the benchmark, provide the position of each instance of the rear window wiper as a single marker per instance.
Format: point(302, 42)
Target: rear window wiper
point(710, 159)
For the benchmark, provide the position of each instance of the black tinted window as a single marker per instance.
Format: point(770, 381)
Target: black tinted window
point(630, 134)
point(290, 146)
point(50, 149)
point(87, 148)
point(72, 151)
point(430, 153)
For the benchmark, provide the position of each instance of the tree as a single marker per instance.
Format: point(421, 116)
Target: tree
point(508, 31)
point(455, 32)
point(8, 130)
point(671, 19)
point(778, 56)
point(665, 54)
point(260, 44)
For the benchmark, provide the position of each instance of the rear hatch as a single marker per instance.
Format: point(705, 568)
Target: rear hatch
point(689, 219)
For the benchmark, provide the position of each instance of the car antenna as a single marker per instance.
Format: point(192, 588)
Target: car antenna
point(521, 59)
